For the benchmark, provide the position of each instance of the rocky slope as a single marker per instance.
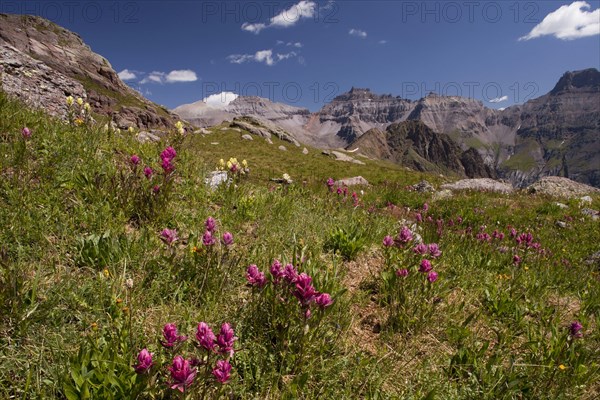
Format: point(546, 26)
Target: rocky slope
point(414, 144)
point(42, 63)
point(558, 133)
point(263, 110)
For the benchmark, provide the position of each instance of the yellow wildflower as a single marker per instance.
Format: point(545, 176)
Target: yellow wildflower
point(106, 272)
point(78, 121)
point(80, 101)
point(87, 107)
point(130, 130)
point(245, 163)
point(69, 100)
point(562, 367)
point(222, 163)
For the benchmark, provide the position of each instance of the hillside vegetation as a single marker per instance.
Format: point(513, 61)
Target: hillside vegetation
point(368, 292)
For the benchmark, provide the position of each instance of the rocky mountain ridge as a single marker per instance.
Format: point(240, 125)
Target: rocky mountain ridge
point(42, 63)
point(555, 134)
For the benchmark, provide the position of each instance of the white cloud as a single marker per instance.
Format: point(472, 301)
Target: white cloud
point(498, 99)
point(265, 56)
point(154, 77)
point(262, 56)
point(286, 18)
point(127, 75)
point(175, 76)
point(254, 28)
point(296, 44)
point(383, 41)
point(502, 109)
point(568, 22)
point(357, 33)
point(183, 75)
point(220, 100)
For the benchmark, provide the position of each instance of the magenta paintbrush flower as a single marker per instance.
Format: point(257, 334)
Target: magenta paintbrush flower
point(330, 184)
point(432, 276)
point(148, 172)
point(516, 260)
point(144, 361)
point(290, 274)
point(135, 159)
point(226, 339)
point(167, 166)
point(26, 132)
point(323, 300)
point(168, 154)
point(172, 337)
point(222, 371)
point(405, 235)
point(276, 271)
point(227, 239)
point(169, 236)
point(434, 250)
point(210, 224)
point(419, 217)
point(156, 189)
point(182, 374)
point(425, 266)
point(425, 207)
point(388, 241)
point(575, 329)
point(208, 239)
point(403, 273)
point(304, 292)
point(255, 277)
point(421, 248)
point(205, 336)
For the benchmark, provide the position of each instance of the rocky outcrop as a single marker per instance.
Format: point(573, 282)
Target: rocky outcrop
point(354, 181)
point(55, 63)
point(479, 185)
point(35, 83)
point(263, 128)
point(561, 187)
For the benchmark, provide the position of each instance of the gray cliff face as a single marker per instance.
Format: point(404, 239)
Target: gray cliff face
point(49, 55)
point(414, 144)
point(558, 133)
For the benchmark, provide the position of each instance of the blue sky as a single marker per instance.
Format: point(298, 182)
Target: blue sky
point(304, 52)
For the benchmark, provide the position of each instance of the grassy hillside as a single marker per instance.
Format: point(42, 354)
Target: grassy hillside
point(89, 277)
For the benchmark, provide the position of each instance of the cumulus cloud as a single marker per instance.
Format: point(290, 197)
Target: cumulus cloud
point(261, 56)
point(568, 22)
point(127, 75)
point(154, 77)
point(175, 76)
point(286, 18)
point(358, 33)
point(182, 75)
point(220, 100)
point(498, 99)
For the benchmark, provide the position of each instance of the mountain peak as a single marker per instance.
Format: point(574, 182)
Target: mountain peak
point(586, 79)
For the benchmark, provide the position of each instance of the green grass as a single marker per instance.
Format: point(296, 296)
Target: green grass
point(78, 221)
